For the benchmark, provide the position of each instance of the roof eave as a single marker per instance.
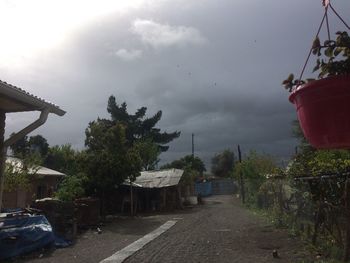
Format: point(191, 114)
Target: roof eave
point(25, 97)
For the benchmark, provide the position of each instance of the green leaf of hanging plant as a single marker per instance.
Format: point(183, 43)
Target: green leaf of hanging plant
point(337, 51)
point(329, 52)
point(290, 77)
point(316, 43)
point(317, 67)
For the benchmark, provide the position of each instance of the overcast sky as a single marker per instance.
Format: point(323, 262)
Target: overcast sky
point(214, 67)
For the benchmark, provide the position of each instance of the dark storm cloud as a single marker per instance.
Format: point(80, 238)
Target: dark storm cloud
point(213, 67)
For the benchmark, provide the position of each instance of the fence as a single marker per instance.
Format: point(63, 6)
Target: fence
point(315, 207)
point(224, 186)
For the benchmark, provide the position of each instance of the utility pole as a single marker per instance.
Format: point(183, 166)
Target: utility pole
point(192, 146)
point(241, 175)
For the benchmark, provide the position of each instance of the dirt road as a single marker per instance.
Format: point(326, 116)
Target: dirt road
point(220, 231)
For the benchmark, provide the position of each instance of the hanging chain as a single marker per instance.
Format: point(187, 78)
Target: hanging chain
point(341, 19)
point(318, 32)
point(326, 4)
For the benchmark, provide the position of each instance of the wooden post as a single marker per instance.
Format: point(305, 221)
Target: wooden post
point(136, 202)
point(347, 214)
point(179, 196)
point(164, 199)
point(2, 154)
point(241, 175)
point(131, 200)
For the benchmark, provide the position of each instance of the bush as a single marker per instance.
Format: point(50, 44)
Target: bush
point(71, 188)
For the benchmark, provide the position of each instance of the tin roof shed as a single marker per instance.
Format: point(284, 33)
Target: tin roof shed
point(157, 179)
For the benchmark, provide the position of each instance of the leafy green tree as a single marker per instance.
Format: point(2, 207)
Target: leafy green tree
point(304, 146)
point(186, 162)
point(149, 152)
point(64, 158)
point(255, 168)
point(137, 126)
point(223, 163)
point(109, 160)
point(71, 188)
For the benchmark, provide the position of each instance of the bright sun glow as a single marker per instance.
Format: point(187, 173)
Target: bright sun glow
point(28, 27)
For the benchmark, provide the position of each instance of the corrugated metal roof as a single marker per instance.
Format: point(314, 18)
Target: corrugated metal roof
point(38, 170)
point(14, 99)
point(158, 179)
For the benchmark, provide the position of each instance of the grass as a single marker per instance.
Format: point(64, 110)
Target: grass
point(324, 251)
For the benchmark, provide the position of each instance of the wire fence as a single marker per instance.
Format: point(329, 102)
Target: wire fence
point(314, 207)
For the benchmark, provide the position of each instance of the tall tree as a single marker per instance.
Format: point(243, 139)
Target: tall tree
point(20, 148)
point(109, 161)
point(38, 144)
point(223, 163)
point(149, 153)
point(137, 126)
point(64, 159)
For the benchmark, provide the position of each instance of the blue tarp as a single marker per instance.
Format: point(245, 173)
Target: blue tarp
point(24, 234)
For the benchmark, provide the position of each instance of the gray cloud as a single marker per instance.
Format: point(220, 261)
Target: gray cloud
point(128, 55)
point(163, 35)
point(226, 91)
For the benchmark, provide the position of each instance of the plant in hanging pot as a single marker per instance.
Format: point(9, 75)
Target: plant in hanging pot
point(323, 105)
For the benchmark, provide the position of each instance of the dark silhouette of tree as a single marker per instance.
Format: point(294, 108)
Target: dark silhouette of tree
point(223, 163)
point(137, 126)
point(20, 148)
point(195, 163)
point(38, 144)
point(34, 145)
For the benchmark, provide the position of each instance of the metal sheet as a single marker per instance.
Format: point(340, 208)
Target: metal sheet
point(158, 179)
point(38, 170)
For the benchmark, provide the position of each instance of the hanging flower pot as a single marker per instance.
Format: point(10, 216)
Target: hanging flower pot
point(323, 109)
point(323, 105)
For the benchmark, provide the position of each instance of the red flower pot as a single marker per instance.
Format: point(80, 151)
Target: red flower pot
point(323, 108)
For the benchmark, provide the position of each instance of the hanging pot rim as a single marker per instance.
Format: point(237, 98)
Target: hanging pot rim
point(318, 83)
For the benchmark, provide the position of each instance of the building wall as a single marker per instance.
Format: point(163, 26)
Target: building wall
point(39, 188)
